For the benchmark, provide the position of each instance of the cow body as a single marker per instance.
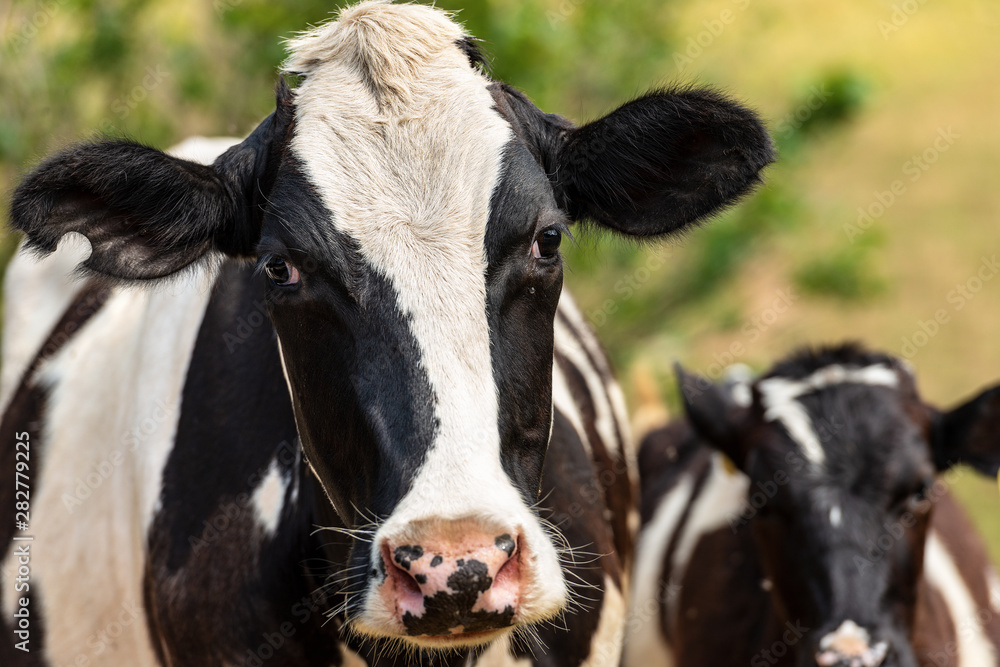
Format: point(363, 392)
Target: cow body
point(393, 438)
point(703, 570)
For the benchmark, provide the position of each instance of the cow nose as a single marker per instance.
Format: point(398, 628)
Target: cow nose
point(850, 646)
point(456, 582)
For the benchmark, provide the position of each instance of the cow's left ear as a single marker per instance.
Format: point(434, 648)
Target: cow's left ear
point(714, 415)
point(970, 434)
point(147, 214)
point(652, 166)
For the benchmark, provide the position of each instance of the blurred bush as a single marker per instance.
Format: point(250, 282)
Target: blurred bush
point(158, 71)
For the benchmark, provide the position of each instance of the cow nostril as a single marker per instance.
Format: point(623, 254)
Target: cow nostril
point(398, 565)
point(409, 584)
point(506, 544)
point(508, 572)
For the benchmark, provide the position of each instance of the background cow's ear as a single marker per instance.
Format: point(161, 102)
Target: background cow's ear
point(654, 165)
point(970, 434)
point(146, 214)
point(714, 415)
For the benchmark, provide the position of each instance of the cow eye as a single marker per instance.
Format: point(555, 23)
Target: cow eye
point(546, 245)
point(281, 272)
point(918, 499)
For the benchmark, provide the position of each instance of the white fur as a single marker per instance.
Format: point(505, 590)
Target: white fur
point(116, 389)
point(203, 150)
point(720, 499)
point(401, 139)
point(993, 584)
point(269, 498)
point(36, 294)
point(606, 393)
point(738, 378)
point(609, 390)
point(607, 643)
point(645, 644)
point(942, 572)
point(498, 655)
point(562, 400)
point(124, 371)
point(779, 397)
point(572, 347)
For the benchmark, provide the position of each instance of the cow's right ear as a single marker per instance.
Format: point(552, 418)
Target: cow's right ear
point(714, 415)
point(147, 214)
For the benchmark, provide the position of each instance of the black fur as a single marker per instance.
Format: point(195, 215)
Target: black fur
point(148, 215)
point(651, 167)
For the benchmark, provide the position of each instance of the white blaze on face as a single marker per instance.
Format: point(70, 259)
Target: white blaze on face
point(779, 397)
point(400, 138)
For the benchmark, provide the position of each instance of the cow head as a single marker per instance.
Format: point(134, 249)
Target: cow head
point(408, 212)
point(842, 455)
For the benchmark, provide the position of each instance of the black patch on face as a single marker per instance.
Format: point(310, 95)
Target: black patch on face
point(522, 296)
point(363, 403)
point(214, 584)
point(444, 611)
point(420, 578)
point(505, 543)
point(406, 555)
point(437, 560)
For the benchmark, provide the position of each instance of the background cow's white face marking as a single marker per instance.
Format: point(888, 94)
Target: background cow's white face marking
point(779, 397)
point(845, 451)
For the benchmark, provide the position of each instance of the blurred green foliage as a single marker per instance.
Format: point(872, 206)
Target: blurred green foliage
point(846, 272)
point(158, 72)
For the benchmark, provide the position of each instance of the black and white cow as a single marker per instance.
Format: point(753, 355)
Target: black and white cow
point(798, 520)
point(394, 439)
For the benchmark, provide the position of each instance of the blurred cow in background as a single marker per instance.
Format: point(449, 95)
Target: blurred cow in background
point(797, 520)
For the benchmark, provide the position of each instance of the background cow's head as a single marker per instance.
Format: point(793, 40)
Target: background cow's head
point(408, 212)
point(845, 452)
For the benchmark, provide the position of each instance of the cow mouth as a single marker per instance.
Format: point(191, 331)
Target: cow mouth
point(459, 639)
